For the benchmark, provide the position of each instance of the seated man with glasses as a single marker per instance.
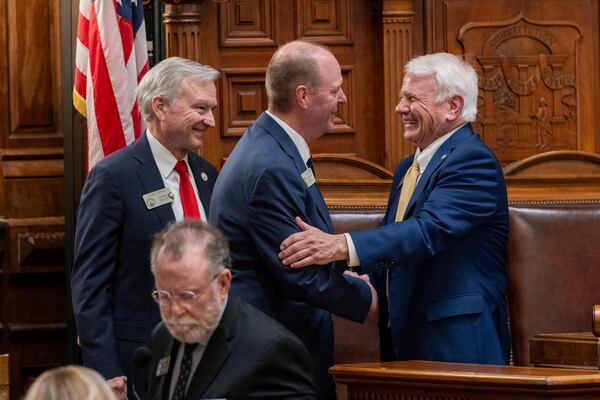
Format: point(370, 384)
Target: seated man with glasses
point(210, 345)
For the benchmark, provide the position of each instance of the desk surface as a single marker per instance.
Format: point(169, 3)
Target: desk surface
point(429, 371)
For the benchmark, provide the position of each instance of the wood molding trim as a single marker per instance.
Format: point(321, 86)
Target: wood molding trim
point(34, 245)
point(37, 329)
point(398, 19)
point(349, 182)
point(554, 176)
point(183, 34)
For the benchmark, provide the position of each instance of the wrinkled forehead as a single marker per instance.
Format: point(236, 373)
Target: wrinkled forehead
point(197, 87)
point(419, 82)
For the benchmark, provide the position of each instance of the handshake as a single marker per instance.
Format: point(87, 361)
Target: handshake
point(312, 246)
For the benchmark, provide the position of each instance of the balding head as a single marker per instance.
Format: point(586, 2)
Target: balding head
point(296, 63)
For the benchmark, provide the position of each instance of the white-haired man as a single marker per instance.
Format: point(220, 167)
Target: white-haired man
point(440, 252)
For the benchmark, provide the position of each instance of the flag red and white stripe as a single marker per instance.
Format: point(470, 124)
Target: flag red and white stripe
point(111, 58)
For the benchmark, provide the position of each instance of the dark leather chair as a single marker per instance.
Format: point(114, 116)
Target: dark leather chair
point(356, 342)
point(553, 270)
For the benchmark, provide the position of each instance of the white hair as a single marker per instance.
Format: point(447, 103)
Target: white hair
point(453, 75)
point(164, 80)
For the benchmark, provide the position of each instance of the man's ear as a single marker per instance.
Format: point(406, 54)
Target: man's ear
point(456, 105)
point(224, 283)
point(158, 107)
point(301, 92)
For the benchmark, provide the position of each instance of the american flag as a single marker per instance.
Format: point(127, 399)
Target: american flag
point(111, 58)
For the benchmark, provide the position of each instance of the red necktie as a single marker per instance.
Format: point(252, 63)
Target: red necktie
point(186, 192)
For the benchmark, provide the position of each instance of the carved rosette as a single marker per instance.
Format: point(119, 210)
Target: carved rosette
point(527, 84)
point(398, 18)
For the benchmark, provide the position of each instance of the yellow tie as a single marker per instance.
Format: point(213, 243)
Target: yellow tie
point(408, 187)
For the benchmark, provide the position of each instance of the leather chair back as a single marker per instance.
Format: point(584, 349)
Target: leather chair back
point(553, 270)
point(355, 342)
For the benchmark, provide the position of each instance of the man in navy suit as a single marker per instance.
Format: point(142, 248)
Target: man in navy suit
point(127, 198)
point(211, 345)
point(442, 245)
point(266, 182)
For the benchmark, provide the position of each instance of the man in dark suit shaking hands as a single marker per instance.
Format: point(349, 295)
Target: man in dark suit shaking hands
point(128, 197)
point(211, 345)
point(266, 182)
point(442, 246)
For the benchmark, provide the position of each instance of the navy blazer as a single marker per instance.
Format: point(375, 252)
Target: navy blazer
point(111, 279)
point(248, 356)
point(259, 192)
point(447, 279)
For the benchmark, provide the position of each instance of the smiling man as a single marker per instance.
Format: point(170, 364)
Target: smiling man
point(266, 182)
point(128, 197)
point(440, 252)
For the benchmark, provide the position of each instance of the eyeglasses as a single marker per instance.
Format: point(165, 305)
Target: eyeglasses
point(185, 297)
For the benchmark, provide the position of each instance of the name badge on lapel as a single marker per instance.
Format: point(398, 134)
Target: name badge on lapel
point(158, 198)
point(163, 366)
point(309, 177)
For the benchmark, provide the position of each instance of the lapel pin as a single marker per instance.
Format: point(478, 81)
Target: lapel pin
point(204, 176)
point(163, 366)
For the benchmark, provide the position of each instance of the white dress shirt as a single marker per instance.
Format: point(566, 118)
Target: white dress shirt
point(165, 161)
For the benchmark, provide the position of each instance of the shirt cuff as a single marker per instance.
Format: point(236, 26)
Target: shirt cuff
point(353, 260)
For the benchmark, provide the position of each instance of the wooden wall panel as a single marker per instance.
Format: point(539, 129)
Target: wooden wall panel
point(324, 21)
point(536, 60)
point(248, 38)
point(32, 182)
point(32, 297)
point(247, 23)
point(244, 98)
point(34, 73)
point(4, 106)
point(32, 193)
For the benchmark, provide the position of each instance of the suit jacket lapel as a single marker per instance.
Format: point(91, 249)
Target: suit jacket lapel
point(321, 206)
point(437, 160)
point(288, 146)
point(201, 184)
point(397, 188)
point(216, 353)
point(150, 176)
point(286, 143)
point(165, 346)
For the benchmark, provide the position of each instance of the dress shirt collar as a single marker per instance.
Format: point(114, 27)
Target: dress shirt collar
point(165, 160)
point(424, 156)
point(298, 140)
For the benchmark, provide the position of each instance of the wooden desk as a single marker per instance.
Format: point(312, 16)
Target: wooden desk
point(565, 350)
point(426, 380)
